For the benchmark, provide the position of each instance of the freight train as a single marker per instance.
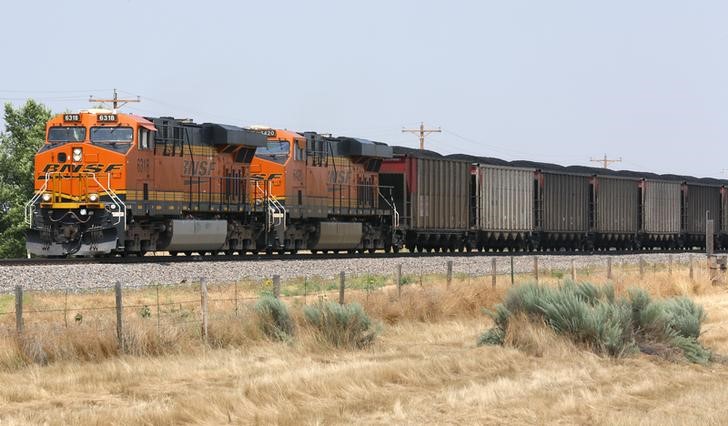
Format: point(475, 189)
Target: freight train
point(108, 183)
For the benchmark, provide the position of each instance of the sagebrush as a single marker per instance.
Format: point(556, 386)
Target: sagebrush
point(341, 325)
point(594, 317)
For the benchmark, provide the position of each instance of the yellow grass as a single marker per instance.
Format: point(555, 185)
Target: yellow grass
point(424, 368)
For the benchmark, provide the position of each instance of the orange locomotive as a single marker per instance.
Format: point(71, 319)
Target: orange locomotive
point(110, 183)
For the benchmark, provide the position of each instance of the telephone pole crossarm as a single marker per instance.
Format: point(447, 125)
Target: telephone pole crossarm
point(115, 101)
point(605, 161)
point(422, 132)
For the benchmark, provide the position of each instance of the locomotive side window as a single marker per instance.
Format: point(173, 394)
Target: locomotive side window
point(277, 151)
point(116, 138)
point(143, 139)
point(298, 152)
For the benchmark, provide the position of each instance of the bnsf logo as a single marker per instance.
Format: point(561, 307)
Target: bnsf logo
point(79, 168)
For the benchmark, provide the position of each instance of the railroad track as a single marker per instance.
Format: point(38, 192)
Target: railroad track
point(308, 256)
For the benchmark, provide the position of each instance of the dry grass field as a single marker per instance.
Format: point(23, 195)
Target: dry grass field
point(424, 368)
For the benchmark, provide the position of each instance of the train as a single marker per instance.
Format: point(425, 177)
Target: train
point(109, 183)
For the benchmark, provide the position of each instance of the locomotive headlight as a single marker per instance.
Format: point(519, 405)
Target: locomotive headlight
point(46, 197)
point(76, 154)
point(93, 197)
point(83, 212)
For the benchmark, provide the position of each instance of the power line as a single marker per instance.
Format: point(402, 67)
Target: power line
point(423, 132)
point(605, 161)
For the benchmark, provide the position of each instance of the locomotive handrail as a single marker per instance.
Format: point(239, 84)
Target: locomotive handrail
point(275, 207)
point(115, 198)
point(30, 205)
point(395, 213)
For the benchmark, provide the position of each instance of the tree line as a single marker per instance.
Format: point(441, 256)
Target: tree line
point(24, 134)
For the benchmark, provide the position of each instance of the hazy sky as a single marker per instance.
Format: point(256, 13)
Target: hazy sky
point(557, 81)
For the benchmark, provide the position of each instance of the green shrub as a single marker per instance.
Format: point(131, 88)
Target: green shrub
point(275, 321)
point(593, 317)
point(341, 325)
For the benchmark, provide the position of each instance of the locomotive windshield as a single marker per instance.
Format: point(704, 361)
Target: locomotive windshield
point(116, 138)
point(274, 151)
point(66, 134)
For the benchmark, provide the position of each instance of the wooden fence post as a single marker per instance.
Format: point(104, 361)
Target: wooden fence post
point(573, 270)
point(342, 287)
point(609, 268)
point(642, 267)
point(449, 273)
point(669, 265)
point(692, 274)
point(203, 296)
point(398, 275)
point(119, 316)
point(276, 286)
point(159, 320)
point(19, 309)
point(236, 298)
point(493, 270)
point(535, 268)
point(65, 309)
point(513, 278)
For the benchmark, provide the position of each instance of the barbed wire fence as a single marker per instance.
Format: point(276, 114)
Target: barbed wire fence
point(196, 304)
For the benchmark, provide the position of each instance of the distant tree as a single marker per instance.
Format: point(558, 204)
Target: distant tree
point(24, 134)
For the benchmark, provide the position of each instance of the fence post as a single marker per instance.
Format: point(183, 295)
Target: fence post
point(691, 267)
point(642, 267)
point(573, 270)
point(449, 273)
point(159, 324)
point(119, 316)
point(65, 309)
point(236, 298)
point(609, 268)
point(276, 286)
point(203, 296)
point(19, 309)
point(305, 289)
point(342, 287)
point(513, 278)
point(535, 268)
point(398, 275)
point(493, 269)
point(669, 265)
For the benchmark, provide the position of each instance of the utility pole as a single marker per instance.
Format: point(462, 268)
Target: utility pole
point(115, 101)
point(423, 132)
point(605, 161)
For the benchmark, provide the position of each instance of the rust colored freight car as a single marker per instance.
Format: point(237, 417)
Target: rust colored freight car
point(615, 211)
point(432, 195)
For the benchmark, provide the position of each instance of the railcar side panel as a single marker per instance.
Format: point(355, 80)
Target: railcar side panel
point(698, 200)
point(440, 196)
point(565, 203)
point(661, 207)
point(504, 198)
point(616, 205)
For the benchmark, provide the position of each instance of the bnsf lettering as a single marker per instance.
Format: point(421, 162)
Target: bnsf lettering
point(199, 168)
point(79, 168)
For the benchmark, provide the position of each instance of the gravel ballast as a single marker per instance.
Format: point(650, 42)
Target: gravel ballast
point(87, 276)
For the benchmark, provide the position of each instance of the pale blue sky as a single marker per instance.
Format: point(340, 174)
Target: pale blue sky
point(556, 80)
